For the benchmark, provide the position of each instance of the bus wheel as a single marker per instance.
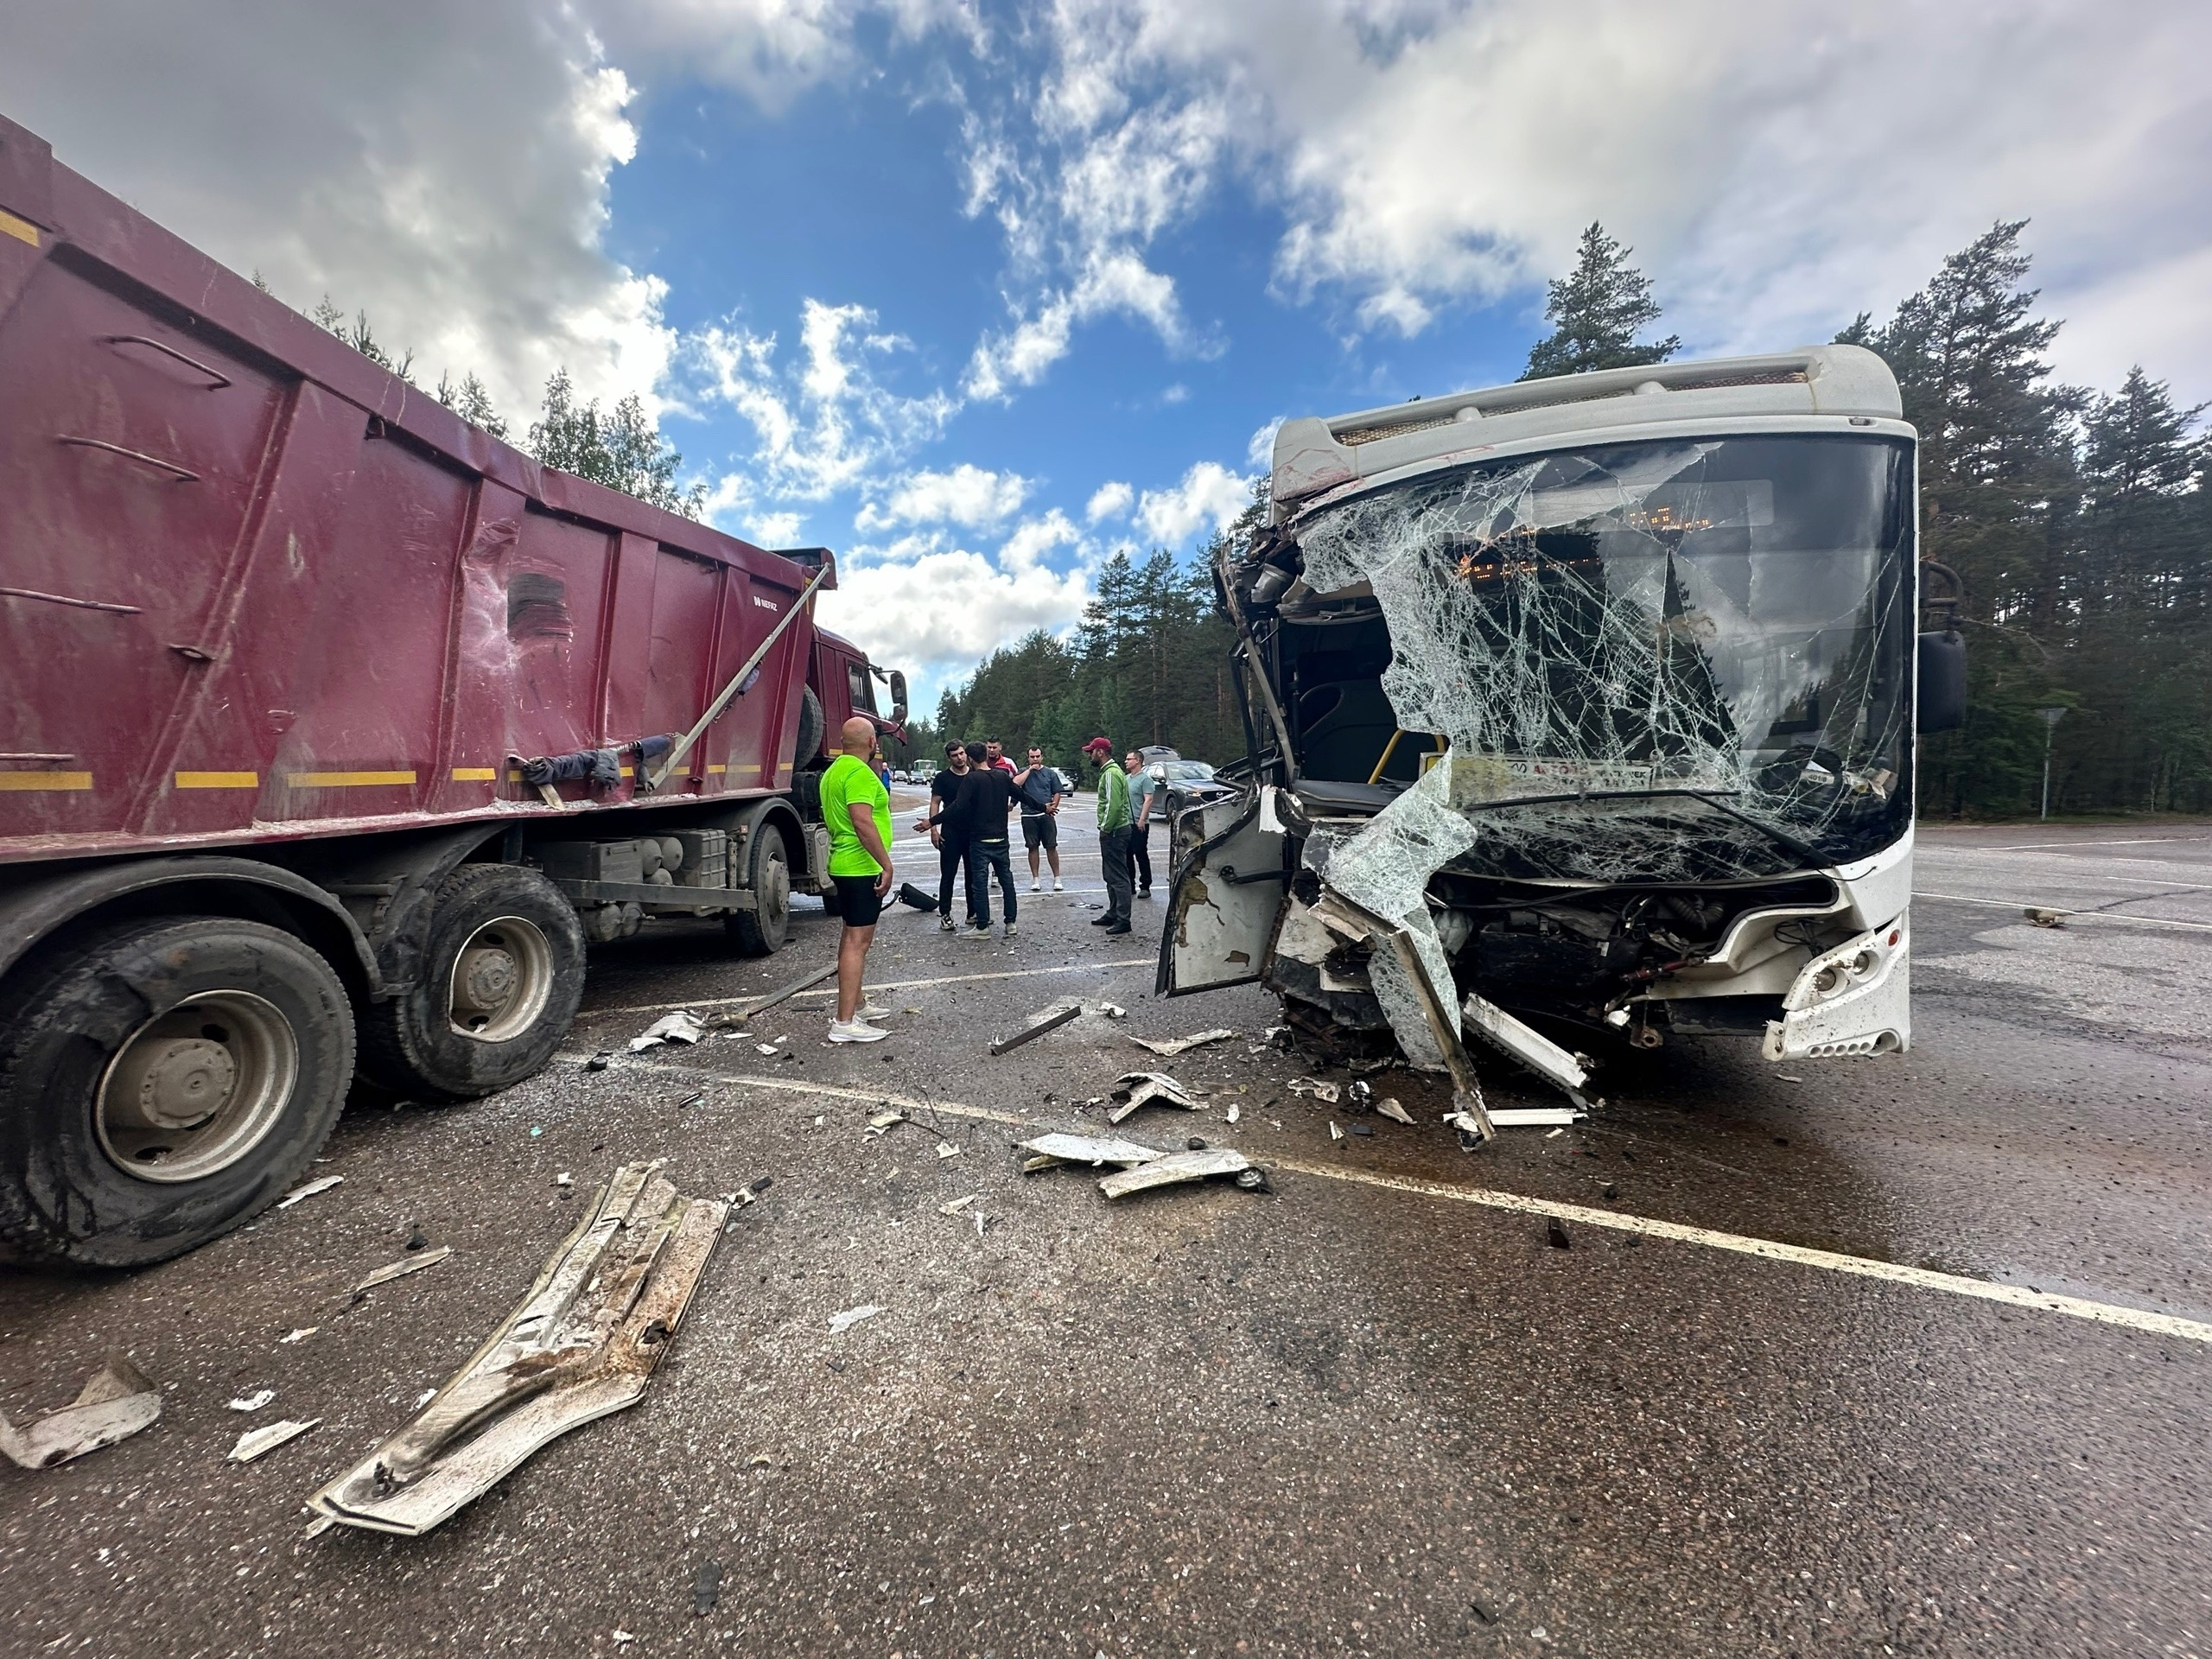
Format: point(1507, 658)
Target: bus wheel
point(162, 1081)
point(503, 971)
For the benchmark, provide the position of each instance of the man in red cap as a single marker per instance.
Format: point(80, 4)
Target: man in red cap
point(1115, 822)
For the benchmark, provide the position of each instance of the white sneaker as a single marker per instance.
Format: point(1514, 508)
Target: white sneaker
point(1055, 884)
point(870, 1010)
point(858, 1031)
point(1035, 886)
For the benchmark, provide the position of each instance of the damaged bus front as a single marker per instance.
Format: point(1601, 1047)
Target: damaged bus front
point(1580, 708)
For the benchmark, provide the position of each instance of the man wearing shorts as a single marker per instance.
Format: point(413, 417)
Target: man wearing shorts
point(856, 810)
point(1037, 787)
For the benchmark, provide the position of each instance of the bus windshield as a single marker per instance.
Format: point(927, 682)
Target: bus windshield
point(1714, 632)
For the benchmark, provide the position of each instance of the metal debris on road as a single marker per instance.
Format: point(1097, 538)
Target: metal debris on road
point(2043, 918)
point(841, 1323)
point(750, 1192)
point(682, 1026)
point(600, 1061)
point(1047, 1150)
point(309, 1190)
point(583, 1342)
point(1556, 1234)
point(1168, 1048)
point(1359, 1097)
point(1048, 1018)
point(1335, 1133)
point(1112, 1011)
point(947, 1149)
point(957, 1205)
point(300, 1335)
point(260, 1442)
point(752, 1005)
point(1324, 1092)
point(768, 1049)
point(253, 1402)
point(1173, 1169)
point(1254, 1179)
point(1135, 1089)
point(706, 1588)
point(691, 1100)
point(882, 1123)
point(401, 1268)
point(1389, 1107)
point(1534, 1117)
point(115, 1403)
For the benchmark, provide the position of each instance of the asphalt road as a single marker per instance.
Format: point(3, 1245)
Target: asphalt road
point(1372, 1412)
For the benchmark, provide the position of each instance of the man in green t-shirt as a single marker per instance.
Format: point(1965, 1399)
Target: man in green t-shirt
point(1114, 821)
point(856, 810)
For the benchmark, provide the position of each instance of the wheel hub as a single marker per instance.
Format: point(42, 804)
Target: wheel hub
point(502, 980)
point(176, 1083)
point(484, 980)
point(195, 1089)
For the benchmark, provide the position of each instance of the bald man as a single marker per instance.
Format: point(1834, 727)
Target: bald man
point(856, 810)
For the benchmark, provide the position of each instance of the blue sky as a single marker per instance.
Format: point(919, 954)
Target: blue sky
point(977, 295)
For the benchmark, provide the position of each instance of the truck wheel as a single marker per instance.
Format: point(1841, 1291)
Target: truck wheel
point(761, 931)
point(503, 971)
point(813, 727)
point(162, 1081)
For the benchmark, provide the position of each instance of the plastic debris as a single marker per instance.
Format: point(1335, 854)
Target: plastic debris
point(1233, 1114)
point(1135, 1089)
point(2043, 918)
point(947, 1149)
point(1322, 1090)
point(1113, 1011)
point(401, 1268)
point(768, 1049)
point(253, 1402)
point(1335, 1133)
point(260, 1442)
point(583, 1342)
point(1050, 1018)
point(600, 1061)
point(1534, 1117)
point(115, 1403)
point(882, 1123)
point(300, 1335)
point(956, 1205)
point(1389, 1107)
point(706, 1586)
point(1047, 1150)
point(564, 1179)
point(750, 1192)
point(309, 1190)
point(1173, 1169)
point(682, 1026)
point(840, 1322)
point(1167, 1048)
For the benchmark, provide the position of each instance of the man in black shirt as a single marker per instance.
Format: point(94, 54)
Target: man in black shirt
point(987, 794)
point(948, 826)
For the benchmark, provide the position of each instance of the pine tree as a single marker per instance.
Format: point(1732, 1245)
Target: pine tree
point(623, 450)
point(1596, 313)
point(473, 403)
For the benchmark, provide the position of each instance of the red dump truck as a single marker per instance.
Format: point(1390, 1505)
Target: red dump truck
point(331, 730)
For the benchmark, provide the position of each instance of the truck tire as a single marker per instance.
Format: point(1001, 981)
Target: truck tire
point(813, 727)
point(503, 971)
point(163, 1081)
point(761, 931)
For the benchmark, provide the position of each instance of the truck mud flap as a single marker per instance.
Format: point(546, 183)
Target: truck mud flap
point(583, 1343)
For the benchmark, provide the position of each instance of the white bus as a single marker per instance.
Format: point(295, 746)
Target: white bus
point(1580, 711)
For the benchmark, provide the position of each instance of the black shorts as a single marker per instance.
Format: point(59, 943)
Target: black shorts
point(1040, 829)
point(857, 901)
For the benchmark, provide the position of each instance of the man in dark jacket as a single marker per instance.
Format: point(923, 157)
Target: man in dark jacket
point(948, 827)
point(986, 793)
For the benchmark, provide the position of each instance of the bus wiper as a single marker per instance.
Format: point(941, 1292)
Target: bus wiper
point(1781, 838)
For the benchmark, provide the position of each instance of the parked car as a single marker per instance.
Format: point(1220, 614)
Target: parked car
point(1180, 783)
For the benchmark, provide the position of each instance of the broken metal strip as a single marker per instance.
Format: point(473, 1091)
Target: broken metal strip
point(583, 1343)
point(1529, 1046)
point(1056, 1148)
point(1051, 1020)
point(115, 1403)
point(1174, 1168)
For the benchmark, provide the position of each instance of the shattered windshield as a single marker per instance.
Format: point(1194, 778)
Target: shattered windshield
point(1708, 635)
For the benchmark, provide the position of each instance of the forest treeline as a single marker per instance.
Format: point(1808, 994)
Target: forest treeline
point(2080, 522)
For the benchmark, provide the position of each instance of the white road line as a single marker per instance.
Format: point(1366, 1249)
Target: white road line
point(2072, 916)
point(878, 985)
point(2035, 846)
point(2132, 1318)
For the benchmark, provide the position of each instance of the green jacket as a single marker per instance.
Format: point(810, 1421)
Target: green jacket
point(1114, 798)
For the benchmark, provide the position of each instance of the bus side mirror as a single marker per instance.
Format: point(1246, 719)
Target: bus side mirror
point(898, 698)
point(1942, 681)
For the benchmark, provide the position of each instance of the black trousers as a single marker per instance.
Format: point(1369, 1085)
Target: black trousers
point(985, 859)
point(951, 855)
point(1140, 852)
point(1114, 855)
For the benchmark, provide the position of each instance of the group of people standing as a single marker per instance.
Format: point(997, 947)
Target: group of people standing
point(973, 802)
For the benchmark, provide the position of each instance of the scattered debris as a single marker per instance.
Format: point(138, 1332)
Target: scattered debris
point(768, 1049)
point(1168, 1048)
point(957, 1205)
point(1556, 1234)
point(253, 1402)
point(401, 1268)
point(784, 994)
point(1172, 1169)
point(1113, 1011)
point(1554, 1134)
point(417, 1238)
point(600, 1061)
point(1359, 1097)
point(947, 1149)
point(260, 1442)
point(2043, 918)
point(309, 1190)
point(1233, 1114)
point(1389, 1107)
point(682, 1026)
point(300, 1335)
point(1535, 1117)
point(1327, 1093)
point(564, 1179)
point(840, 1322)
point(1335, 1133)
point(691, 1100)
point(582, 1343)
point(1610, 1191)
point(115, 1403)
point(750, 1192)
point(1048, 1018)
point(1135, 1089)
point(707, 1586)
point(1195, 1143)
point(1363, 1128)
point(912, 895)
point(1047, 1150)
point(884, 1122)
point(1784, 1077)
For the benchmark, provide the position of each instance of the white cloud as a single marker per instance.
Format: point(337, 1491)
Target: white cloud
point(825, 423)
point(1115, 282)
point(1108, 501)
point(1030, 541)
point(1210, 497)
point(968, 495)
point(446, 168)
point(1259, 448)
point(938, 616)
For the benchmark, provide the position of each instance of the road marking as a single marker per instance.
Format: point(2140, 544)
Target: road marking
point(880, 985)
point(1859, 1267)
point(2072, 915)
point(2034, 846)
